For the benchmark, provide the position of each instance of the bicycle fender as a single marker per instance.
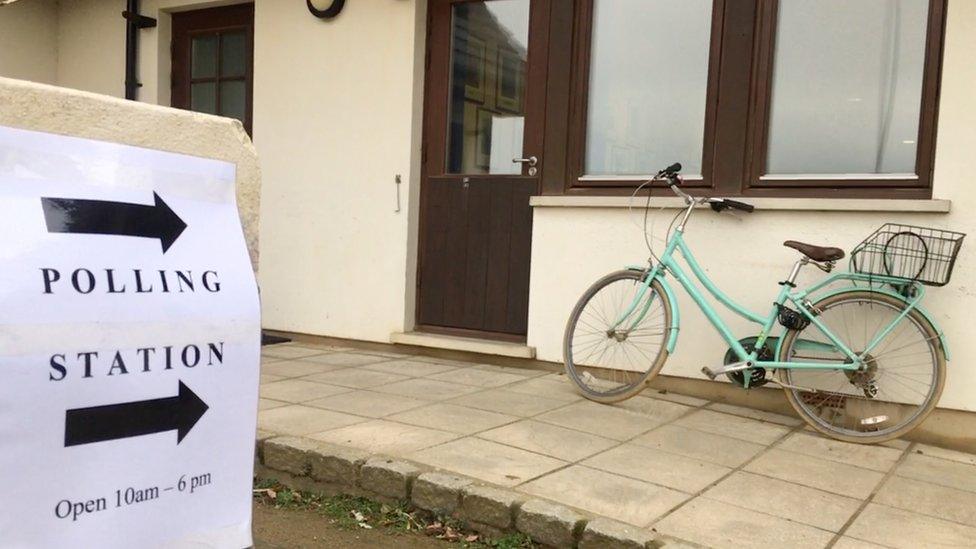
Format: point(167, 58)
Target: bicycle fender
point(928, 316)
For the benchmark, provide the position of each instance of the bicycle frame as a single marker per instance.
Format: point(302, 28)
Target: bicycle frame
point(668, 264)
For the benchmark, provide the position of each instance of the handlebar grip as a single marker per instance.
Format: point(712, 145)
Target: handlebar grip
point(673, 168)
point(736, 205)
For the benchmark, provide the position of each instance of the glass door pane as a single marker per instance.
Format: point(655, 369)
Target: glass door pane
point(486, 118)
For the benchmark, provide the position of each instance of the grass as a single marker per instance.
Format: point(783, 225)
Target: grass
point(359, 512)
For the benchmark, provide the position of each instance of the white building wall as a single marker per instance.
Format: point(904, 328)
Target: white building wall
point(334, 124)
point(336, 118)
point(91, 46)
point(572, 247)
point(29, 41)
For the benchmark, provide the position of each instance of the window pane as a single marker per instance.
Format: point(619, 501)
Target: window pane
point(847, 86)
point(487, 105)
point(648, 78)
point(204, 57)
point(233, 99)
point(233, 54)
point(203, 97)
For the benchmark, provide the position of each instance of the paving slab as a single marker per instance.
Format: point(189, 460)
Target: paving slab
point(478, 378)
point(384, 354)
point(850, 543)
point(268, 378)
point(785, 500)
point(296, 368)
point(877, 458)
point(551, 440)
point(488, 461)
point(939, 471)
point(453, 418)
point(942, 453)
point(625, 499)
point(635, 461)
point(718, 449)
point(548, 387)
point(670, 470)
point(367, 403)
point(600, 419)
point(302, 420)
point(716, 524)
point(267, 404)
point(410, 368)
point(838, 478)
point(677, 398)
point(357, 378)
point(323, 347)
point(508, 402)
point(297, 390)
point(659, 410)
point(426, 389)
point(929, 499)
point(288, 351)
point(385, 437)
point(345, 359)
point(751, 430)
point(526, 373)
point(903, 529)
point(760, 415)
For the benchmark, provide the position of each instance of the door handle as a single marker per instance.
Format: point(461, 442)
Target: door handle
point(531, 161)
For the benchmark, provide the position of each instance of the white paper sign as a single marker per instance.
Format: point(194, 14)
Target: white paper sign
point(129, 348)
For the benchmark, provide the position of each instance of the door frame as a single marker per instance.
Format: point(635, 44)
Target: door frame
point(437, 60)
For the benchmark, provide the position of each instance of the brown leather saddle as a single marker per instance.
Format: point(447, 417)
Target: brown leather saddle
point(816, 253)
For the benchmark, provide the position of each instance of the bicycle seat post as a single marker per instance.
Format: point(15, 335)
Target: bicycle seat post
point(791, 280)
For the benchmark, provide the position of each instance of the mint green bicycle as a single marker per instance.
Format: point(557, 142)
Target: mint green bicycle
point(858, 357)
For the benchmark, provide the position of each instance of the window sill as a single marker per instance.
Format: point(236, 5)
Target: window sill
point(773, 204)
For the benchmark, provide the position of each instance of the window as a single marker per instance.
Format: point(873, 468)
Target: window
point(753, 97)
point(212, 61)
point(629, 103)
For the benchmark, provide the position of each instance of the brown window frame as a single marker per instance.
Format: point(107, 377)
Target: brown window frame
point(219, 20)
point(736, 114)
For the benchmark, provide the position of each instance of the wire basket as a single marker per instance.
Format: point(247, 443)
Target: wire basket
point(918, 254)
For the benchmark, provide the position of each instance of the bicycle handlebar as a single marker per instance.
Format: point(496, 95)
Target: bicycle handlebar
point(718, 204)
point(673, 169)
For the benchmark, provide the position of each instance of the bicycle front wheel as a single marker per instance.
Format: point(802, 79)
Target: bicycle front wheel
point(616, 337)
point(898, 387)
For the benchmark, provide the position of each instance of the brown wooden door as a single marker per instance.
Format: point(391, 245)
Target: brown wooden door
point(482, 159)
point(213, 61)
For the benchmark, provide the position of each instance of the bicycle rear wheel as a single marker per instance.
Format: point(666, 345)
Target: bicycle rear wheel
point(611, 356)
point(899, 386)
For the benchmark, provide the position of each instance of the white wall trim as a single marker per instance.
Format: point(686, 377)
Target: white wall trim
point(774, 204)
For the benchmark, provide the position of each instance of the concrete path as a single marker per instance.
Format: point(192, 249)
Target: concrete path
point(699, 471)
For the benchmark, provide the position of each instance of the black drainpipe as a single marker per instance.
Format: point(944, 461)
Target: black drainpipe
point(133, 24)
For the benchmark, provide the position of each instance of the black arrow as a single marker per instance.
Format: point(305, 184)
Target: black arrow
point(70, 215)
point(133, 419)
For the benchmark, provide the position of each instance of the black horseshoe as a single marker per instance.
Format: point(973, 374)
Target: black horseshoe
point(327, 13)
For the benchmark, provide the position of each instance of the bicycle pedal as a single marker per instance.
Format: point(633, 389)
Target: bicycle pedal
point(711, 374)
